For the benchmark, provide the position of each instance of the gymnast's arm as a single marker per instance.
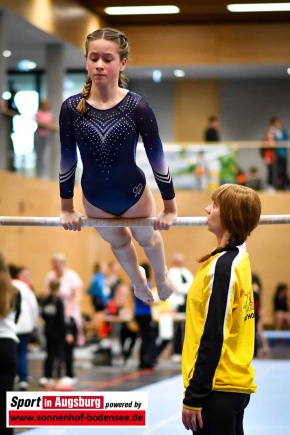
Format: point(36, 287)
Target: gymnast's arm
point(148, 129)
point(70, 218)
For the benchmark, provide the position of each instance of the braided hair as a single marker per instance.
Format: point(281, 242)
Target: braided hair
point(123, 47)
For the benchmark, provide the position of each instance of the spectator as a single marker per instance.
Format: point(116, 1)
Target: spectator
point(42, 137)
point(70, 293)
point(212, 133)
point(268, 153)
point(26, 324)
point(253, 179)
point(129, 330)
point(261, 343)
point(163, 316)
point(181, 279)
point(9, 312)
point(13, 110)
point(280, 135)
point(143, 318)
point(281, 307)
point(54, 330)
point(100, 293)
point(113, 277)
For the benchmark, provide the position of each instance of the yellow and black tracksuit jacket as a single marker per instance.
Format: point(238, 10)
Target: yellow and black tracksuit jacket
point(220, 327)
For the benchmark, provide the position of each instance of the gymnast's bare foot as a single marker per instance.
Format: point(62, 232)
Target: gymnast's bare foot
point(142, 291)
point(165, 288)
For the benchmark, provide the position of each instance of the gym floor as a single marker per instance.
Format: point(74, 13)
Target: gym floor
point(268, 411)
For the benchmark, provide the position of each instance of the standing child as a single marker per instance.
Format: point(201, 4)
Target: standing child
point(105, 122)
point(220, 322)
point(70, 331)
point(53, 315)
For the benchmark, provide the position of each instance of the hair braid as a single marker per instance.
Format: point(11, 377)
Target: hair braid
point(81, 107)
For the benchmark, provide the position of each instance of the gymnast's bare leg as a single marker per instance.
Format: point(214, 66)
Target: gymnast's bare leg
point(124, 250)
point(151, 241)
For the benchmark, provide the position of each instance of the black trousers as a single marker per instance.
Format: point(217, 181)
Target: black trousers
point(223, 414)
point(69, 359)
point(147, 333)
point(128, 340)
point(54, 357)
point(8, 371)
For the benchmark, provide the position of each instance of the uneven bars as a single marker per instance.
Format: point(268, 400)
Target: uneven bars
point(190, 221)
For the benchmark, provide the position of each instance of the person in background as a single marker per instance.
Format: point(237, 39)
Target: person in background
point(26, 324)
point(280, 136)
point(143, 317)
point(42, 138)
point(70, 292)
point(212, 133)
point(105, 122)
point(113, 276)
point(99, 292)
point(220, 321)
point(268, 153)
point(281, 307)
point(262, 347)
point(124, 300)
point(52, 312)
point(181, 278)
point(162, 314)
point(253, 179)
point(10, 306)
point(13, 111)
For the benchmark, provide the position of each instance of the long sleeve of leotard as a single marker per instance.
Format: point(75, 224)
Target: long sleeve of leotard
point(68, 153)
point(148, 129)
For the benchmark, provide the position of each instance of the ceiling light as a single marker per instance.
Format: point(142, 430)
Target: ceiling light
point(179, 73)
point(26, 65)
point(6, 53)
point(259, 7)
point(142, 10)
point(157, 76)
point(6, 95)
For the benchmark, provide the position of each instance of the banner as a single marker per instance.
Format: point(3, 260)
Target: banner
point(110, 409)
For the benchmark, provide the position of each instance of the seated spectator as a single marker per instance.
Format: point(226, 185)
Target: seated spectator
point(262, 347)
point(254, 180)
point(281, 307)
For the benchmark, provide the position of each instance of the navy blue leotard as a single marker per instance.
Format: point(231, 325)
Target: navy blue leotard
point(107, 141)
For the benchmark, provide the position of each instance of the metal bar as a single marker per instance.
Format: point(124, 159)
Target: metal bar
point(189, 221)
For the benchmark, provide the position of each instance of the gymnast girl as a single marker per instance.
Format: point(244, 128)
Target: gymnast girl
point(105, 122)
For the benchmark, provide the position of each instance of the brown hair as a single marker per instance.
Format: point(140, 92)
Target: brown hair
point(54, 285)
point(240, 210)
point(123, 47)
point(7, 290)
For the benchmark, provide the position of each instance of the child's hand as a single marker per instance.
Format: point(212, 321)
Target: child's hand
point(164, 220)
point(71, 220)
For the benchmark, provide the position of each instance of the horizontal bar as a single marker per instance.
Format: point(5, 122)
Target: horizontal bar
point(190, 221)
